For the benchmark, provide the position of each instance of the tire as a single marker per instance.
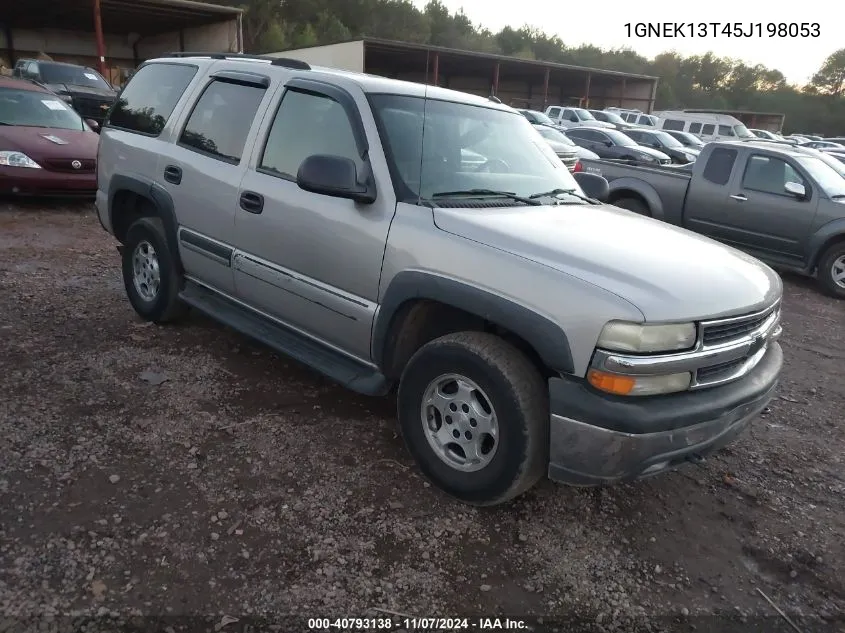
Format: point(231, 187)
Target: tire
point(834, 256)
point(633, 204)
point(146, 238)
point(515, 391)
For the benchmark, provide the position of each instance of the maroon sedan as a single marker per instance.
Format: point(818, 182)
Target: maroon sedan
point(45, 147)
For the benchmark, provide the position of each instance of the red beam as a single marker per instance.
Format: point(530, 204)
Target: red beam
point(496, 79)
point(101, 45)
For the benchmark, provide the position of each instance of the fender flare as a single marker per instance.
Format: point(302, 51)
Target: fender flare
point(815, 245)
point(158, 197)
point(546, 337)
point(641, 189)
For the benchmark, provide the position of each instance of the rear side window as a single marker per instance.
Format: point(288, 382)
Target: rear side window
point(149, 98)
point(720, 165)
point(725, 130)
point(695, 128)
point(221, 118)
point(673, 124)
point(708, 129)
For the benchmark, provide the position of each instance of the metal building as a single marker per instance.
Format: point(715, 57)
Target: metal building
point(518, 82)
point(115, 35)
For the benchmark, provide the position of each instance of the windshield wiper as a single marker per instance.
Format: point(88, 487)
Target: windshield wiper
point(557, 192)
point(484, 192)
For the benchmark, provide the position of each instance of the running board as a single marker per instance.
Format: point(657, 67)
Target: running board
point(340, 368)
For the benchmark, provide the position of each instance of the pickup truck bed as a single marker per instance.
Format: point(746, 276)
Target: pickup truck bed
point(781, 204)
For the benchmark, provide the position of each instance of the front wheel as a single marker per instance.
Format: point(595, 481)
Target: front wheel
point(831, 273)
point(474, 414)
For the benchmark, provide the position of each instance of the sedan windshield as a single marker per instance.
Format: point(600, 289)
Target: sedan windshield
point(539, 117)
point(554, 135)
point(612, 117)
point(36, 109)
point(667, 140)
point(429, 142)
point(584, 115)
point(75, 75)
point(620, 139)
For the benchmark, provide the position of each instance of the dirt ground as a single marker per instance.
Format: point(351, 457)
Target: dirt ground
point(185, 471)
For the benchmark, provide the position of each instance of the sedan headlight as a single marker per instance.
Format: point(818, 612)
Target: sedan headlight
point(644, 338)
point(17, 159)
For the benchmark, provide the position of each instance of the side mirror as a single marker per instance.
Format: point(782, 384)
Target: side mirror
point(334, 176)
point(93, 124)
point(796, 189)
point(608, 143)
point(593, 185)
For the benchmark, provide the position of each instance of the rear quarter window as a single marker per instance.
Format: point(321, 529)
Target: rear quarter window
point(150, 97)
point(720, 165)
point(695, 128)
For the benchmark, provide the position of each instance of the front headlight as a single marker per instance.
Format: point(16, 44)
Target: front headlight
point(17, 159)
point(644, 338)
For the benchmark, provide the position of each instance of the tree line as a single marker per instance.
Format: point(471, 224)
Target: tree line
point(699, 81)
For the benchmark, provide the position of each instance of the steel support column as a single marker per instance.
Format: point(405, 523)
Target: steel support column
point(101, 44)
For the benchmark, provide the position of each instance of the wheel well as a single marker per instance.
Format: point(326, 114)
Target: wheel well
point(623, 193)
point(836, 239)
point(420, 321)
point(128, 206)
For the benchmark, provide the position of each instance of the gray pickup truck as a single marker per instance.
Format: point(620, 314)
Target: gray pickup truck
point(785, 206)
point(392, 235)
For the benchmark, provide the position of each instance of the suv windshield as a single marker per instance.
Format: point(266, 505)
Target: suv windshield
point(36, 109)
point(75, 75)
point(742, 132)
point(434, 147)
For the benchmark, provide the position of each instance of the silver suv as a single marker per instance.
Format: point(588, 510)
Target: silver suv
point(391, 234)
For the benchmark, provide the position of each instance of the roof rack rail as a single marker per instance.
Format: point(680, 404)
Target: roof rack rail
point(274, 61)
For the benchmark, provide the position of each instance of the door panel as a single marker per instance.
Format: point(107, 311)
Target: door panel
point(310, 260)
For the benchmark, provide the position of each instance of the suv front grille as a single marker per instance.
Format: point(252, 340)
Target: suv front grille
point(728, 330)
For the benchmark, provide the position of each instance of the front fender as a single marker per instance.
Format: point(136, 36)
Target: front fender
point(823, 236)
point(545, 336)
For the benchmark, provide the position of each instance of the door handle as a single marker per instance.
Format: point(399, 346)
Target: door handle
point(173, 174)
point(740, 197)
point(252, 202)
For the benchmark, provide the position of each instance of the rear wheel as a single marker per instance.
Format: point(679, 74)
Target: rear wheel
point(831, 272)
point(633, 204)
point(149, 272)
point(474, 414)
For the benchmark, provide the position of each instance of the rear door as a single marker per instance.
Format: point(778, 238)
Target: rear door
point(203, 170)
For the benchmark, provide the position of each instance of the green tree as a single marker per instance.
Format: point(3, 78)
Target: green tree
point(830, 78)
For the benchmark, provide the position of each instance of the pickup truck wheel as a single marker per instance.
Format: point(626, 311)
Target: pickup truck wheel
point(633, 204)
point(149, 274)
point(831, 271)
point(474, 414)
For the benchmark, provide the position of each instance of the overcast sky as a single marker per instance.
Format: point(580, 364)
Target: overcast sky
point(601, 23)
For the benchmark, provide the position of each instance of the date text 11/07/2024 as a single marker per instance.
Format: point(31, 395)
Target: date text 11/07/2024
point(722, 29)
point(416, 624)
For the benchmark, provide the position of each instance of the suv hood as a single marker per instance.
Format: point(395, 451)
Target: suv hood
point(669, 273)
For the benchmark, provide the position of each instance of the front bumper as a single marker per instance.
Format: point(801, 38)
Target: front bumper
point(598, 439)
point(19, 181)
